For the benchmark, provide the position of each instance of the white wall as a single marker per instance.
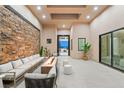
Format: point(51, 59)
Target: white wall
point(25, 12)
point(78, 31)
point(50, 32)
point(63, 32)
point(111, 19)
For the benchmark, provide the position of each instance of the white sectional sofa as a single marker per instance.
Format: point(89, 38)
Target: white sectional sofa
point(14, 70)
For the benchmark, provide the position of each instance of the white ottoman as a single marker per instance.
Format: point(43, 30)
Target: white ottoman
point(65, 62)
point(67, 69)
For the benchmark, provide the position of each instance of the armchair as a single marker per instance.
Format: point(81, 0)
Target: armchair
point(36, 80)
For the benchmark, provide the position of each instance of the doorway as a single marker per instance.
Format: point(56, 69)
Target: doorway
point(63, 45)
point(112, 49)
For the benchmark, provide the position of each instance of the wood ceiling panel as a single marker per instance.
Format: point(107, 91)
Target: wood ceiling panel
point(65, 10)
point(65, 16)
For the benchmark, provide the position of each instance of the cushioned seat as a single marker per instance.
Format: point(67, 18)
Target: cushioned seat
point(18, 72)
point(38, 59)
point(30, 63)
point(26, 66)
point(35, 61)
point(6, 67)
point(17, 63)
point(25, 60)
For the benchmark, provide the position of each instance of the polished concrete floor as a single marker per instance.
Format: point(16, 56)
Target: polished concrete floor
point(86, 74)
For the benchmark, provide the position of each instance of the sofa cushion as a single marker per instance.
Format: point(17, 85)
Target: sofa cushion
point(17, 63)
point(34, 56)
point(36, 60)
point(30, 58)
point(6, 67)
point(18, 72)
point(37, 55)
point(25, 60)
point(26, 66)
point(35, 76)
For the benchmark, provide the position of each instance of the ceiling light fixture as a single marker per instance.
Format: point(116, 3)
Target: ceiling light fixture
point(38, 7)
point(63, 25)
point(88, 17)
point(95, 8)
point(43, 16)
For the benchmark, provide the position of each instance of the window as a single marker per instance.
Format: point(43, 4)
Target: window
point(81, 42)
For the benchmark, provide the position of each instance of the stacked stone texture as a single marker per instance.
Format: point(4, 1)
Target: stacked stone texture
point(18, 38)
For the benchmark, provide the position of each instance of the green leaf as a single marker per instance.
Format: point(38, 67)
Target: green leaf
point(86, 47)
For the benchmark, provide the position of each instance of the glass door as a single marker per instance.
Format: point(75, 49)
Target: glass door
point(118, 49)
point(63, 45)
point(112, 49)
point(106, 49)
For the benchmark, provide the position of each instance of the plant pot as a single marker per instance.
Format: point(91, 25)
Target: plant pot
point(85, 57)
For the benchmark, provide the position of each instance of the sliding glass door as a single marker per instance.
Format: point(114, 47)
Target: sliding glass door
point(106, 49)
point(118, 49)
point(112, 49)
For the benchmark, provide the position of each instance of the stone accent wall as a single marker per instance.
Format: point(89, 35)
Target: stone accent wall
point(17, 37)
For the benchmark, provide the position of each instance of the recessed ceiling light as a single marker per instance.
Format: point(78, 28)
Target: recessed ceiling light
point(38, 7)
point(88, 17)
point(63, 25)
point(43, 16)
point(95, 8)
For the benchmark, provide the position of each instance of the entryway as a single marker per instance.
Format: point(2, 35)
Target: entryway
point(63, 46)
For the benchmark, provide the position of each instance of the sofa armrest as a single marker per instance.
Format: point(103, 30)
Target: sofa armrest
point(8, 75)
point(35, 76)
point(2, 75)
point(52, 71)
point(1, 83)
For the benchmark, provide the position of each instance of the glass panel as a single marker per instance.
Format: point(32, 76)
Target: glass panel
point(118, 49)
point(63, 45)
point(106, 49)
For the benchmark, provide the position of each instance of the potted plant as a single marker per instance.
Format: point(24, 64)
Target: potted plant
point(41, 51)
point(86, 48)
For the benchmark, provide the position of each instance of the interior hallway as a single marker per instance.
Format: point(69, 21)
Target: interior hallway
point(86, 74)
